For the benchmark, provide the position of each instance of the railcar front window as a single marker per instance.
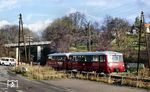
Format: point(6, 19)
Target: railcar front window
point(117, 58)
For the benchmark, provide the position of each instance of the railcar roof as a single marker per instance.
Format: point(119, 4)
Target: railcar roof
point(86, 53)
point(59, 54)
point(96, 53)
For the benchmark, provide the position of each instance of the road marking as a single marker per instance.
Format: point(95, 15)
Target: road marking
point(3, 83)
point(4, 89)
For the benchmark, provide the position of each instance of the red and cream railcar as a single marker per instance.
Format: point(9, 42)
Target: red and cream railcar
point(100, 61)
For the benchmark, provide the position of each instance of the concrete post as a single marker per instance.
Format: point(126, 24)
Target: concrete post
point(38, 52)
point(17, 53)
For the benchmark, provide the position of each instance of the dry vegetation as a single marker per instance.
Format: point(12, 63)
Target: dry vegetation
point(38, 72)
point(129, 79)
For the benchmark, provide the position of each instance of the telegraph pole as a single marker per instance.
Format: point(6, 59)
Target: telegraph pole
point(139, 48)
point(19, 40)
point(21, 34)
point(89, 32)
point(29, 50)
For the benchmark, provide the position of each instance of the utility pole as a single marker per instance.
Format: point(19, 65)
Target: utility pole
point(29, 50)
point(89, 33)
point(19, 40)
point(21, 34)
point(139, 40)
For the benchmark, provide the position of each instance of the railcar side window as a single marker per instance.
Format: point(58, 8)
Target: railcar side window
point(50, 58)
point(83, 59)
point(102, 58)
point(61, 58)
point(89, 58)
point(80, 58)
point(95, 58)
point(71, 58)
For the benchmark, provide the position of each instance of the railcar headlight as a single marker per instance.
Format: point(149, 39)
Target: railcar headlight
point(110, 64)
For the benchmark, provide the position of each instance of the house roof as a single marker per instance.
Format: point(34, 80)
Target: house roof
point(147, 25)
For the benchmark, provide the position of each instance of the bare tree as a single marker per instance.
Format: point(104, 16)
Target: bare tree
point(113, 30)
point(65, 31)
point(9, 34)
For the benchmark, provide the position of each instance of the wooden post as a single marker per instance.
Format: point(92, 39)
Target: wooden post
point(109, 79)
point(122, 80)
point(137, 82)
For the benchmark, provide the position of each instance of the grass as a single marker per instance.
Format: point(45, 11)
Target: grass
point(39, 72)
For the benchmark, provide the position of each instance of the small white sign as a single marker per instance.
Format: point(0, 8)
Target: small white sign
point(12, 83)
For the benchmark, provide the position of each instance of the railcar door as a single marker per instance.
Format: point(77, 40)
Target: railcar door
point(59, 62)
point(87, 65)
point(102, 63)
point(72, 63)
point(65, 63)
point(80, 63)
point(95, 63)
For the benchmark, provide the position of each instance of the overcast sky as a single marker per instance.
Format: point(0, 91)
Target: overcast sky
point(37, 14)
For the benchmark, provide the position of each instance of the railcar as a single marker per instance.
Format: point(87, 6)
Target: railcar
point(99, 61)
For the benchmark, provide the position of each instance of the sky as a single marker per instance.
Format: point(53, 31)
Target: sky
point(38, 14)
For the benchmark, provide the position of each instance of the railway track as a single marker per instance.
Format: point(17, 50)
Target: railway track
point(113, 78)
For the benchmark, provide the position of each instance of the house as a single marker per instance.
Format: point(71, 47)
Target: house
point(147, 26)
